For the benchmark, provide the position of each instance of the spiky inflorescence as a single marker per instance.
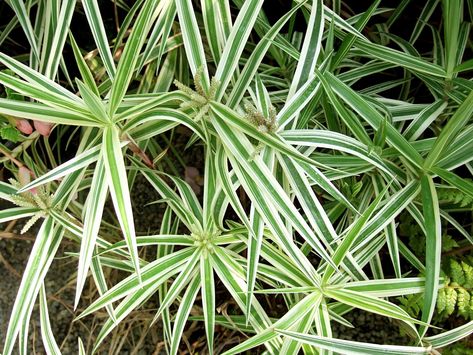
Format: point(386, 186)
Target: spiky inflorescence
point(199, 99)
point(257, 118)
point(40, 199)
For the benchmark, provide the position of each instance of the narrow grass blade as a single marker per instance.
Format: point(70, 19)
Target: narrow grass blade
point(276, 142)
point(96, 25)
point(118, 184)
point(41, 94)
point(47, 335)
point(156, 272)
point(454, 180)
point(423, 120)
point(374, 118)
point(336, 141)
point(391, 208)
point(266, 193)
point(36, 78)
point(40, 112)
point(232, 276)
point(129, 304)
point(38, 263)
point(371, 304)
point(295, 314)
point(352, 347)
point(93, 102)
point(254, 251)
point(451, 336)
point(257, 55)
point(399, 58)
point(23, 18)
point(175, 202)
point(310, 48)
point(163, 114)
point(388, 287)
point(454, 125)
point(82, 160)
point(14, 213)
point(225, 179)
point(85, 72)
point(305, 325)
point(160, 32)
point(80, 345)
point(208, 299)
point(189, 271)
point(183, 313)
point(101, 282)
point(352, 234)
point(50, 59)
point(192, 40)
point(129, 57)
point(236, 43)
point(350, 38)
point(433, 251)
point(213, 28)
point(322, 323)
point(93, 218)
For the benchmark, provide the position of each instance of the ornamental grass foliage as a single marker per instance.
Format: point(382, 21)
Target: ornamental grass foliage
point(329, 135)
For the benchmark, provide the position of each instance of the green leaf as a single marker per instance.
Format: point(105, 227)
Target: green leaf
point(49, 342)
point(50, 58)
point(96, 24)
point(129, 57)
point(295, 314)
point(236, 43)
point(208, 299)
point(257, 55)
point(40, 112)
point(14, 213)
point(352, 347)
point(433, 251)
point(183, 313)
point(374, 118)
point(23, 18)
point(310, 48)
point(399, 58)
point(118, 184)
point(453, 127)
point(85, 72)
point(153, 273)
point(388, 287)
point(454, 180)
point(41, 257)
point(192, 40)
point(92, 220)
point(451, 336)
point(371, 304)
point(80, 161)
point(351, 236)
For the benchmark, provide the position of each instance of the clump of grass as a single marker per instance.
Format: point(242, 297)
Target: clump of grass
point(316, 146)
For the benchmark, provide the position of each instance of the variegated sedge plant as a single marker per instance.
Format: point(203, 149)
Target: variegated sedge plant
point(326, 169)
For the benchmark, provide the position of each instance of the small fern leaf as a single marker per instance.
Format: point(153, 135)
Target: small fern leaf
point(451, 300)
point(456, 272)
point(463, 302)
point(441, 300)
point(468, 272)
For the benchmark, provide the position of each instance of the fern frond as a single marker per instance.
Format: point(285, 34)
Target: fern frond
point(454, 196)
